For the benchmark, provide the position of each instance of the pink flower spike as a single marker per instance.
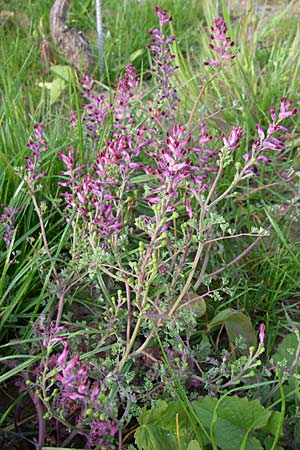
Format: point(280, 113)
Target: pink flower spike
point(262, 328)
point(162, 15)
point(285, 110)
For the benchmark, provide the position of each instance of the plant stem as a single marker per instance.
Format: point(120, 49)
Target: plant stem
point(189, 279)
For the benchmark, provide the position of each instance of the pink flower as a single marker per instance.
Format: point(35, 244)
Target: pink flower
point(62, 359)
point(220, 43)
point(7, 220)
point(285, 108)
point(262, 328)
point(162, 15)
point(233, 140)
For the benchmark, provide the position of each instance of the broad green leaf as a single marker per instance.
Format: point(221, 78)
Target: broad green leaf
point(64, 72)
point(235, 417)
point(268, 443)
point(167, 417)
point(168, 421)
point(154, 414)
point(273, 423)
point(56, 87)
point(236, 324)
point(151, 435)
point(193, 445)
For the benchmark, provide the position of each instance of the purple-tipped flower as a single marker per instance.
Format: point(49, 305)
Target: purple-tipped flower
point(260, 131)
point(286, 109)
point(233, 140)
point(188, 209)
point(97, 110)
point(162, 15)
point(37, 145)
point(125, 91)
point(90, 194)
point(262, 328)
point(221, 43)
point(73, 118)
point(73, 378)
point(7, 220)
point(101, 434)
point(50, 334)
point(163, 66)
point(205, 137)
point(267, 141)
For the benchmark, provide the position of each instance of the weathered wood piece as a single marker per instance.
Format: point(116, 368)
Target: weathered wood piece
point(70, 42)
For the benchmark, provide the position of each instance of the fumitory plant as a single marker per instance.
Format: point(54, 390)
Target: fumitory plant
point(142, 216)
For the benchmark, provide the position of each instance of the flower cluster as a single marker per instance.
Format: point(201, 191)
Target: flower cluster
point(73, 378)
point(221, 43)
point(101, 433)
point(126, 90)
point(96, 192)
point(97, 110)
point(269, 140)
point(37, 145)
point(179, 165)
point(162, 58)
point(77, 392)
point(90, 197)
point(52, 334)
point(7, 220)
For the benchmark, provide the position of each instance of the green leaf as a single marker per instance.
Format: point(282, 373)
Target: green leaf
point(66, 73)
point(197, 303)
point(150, 435)
point(236, 324)
point(193, 445)
point(136, 54)
point(235, 417)
point(153, 437)
point(268, 443)
point(154, 414)
point(273, 423)
point(56, 87)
